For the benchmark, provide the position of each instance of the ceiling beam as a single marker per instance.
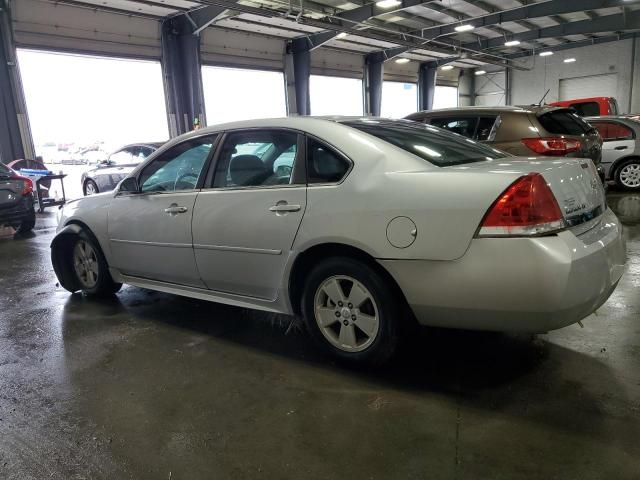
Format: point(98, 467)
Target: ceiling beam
point(578, 44)
point(349, 19)
point(534, 10)
point(610, 23)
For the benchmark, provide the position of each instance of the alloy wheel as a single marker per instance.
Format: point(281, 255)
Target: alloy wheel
point(85, 263)
point(90, 188)
point(346, 313)
point(630, 175)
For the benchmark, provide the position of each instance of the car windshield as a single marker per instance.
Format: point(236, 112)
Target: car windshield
point(437, 146)
point(564, 122)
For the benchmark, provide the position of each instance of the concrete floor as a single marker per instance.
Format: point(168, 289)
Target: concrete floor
point(149, 385)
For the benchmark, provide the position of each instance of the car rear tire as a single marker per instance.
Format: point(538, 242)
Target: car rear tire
point(90, 188)
point(351, 311)
point(90, 268)
point(628, 174)
point(28, 223)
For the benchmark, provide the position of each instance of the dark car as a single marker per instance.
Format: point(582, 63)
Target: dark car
point(523, 131)
point(120, 163)
point(16, 200)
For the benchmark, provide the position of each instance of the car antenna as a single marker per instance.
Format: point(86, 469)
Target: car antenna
point(544, 96)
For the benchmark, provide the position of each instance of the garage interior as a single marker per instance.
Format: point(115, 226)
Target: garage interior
point(152, 385)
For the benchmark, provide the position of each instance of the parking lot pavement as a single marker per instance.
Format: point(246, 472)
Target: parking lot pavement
point(150, 385)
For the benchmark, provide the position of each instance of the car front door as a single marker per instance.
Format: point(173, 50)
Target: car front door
point(617, 141)
point(245, 223)
point(150, 230)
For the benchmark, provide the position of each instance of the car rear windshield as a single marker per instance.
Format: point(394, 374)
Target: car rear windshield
point(563, 122)
point(437, 146)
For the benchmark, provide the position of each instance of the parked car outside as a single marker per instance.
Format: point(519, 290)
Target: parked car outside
point(16, 200)
point(107, 174)
point(533, 130)
point(620, 149)
point(590, 107)
point(367, 229)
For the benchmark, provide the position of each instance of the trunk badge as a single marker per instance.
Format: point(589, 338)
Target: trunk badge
point(594, 183)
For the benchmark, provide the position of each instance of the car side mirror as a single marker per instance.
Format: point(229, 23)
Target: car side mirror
point(129, 185)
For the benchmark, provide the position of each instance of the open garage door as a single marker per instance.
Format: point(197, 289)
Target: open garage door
point(605, 85)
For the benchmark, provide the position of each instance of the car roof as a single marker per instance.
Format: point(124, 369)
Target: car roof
point(537, 109)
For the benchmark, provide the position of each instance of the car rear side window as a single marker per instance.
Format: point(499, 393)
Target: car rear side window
point(462, 126)
point(563, 122)
point(611, 131)
point(434, 145)
point(324, 165)
point(586, 109)
point(485, 130)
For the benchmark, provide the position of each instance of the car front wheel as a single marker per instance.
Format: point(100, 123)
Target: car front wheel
point(351, 311)
point(628, 174)
point(90, 267)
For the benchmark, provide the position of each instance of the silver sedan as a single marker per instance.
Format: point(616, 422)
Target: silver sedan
point(357, 225)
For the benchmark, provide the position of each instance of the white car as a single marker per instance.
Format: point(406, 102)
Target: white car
point(372, 223)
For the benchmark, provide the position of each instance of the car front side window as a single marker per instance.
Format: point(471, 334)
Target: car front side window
point(179, 168)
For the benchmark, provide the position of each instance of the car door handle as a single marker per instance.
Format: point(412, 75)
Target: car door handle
point(175, 209)
point(284, 207)
point(621, 147)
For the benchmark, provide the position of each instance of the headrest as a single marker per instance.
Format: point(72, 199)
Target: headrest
point(245, 170)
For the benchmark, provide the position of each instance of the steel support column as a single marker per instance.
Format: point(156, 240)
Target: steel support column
point(181, 68)
point(297, 71)
point(15, 134)
point(373, 74)
point(427, 75)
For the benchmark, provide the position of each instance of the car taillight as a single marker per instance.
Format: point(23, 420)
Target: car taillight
point(556, 147)
point(27, 185)
point(527, 207)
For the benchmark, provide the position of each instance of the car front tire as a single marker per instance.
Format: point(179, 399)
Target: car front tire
point(628, 174)
point(90, 188)
point(351, 311)
point(89, 267)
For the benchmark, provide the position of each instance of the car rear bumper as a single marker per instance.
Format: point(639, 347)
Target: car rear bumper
point(517, 284)
point(17, 213)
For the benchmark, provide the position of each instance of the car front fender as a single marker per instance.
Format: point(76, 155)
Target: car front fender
point(61, 249)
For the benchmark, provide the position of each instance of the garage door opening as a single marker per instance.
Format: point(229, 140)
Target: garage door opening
point(335, 95)
point(445, 97)
point(83, 107)
point(399, 99)
point(232, 94)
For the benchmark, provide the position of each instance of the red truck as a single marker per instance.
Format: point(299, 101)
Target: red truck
point(591, 107)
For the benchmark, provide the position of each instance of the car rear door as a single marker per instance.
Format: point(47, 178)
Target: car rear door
point(618, 141)
point(245, 222)
point(150, 230)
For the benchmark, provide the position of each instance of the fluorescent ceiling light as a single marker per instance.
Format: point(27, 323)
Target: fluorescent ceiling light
point(402, 60)
point(388, 3)
point(342, 35)
point(546, 53)
point(480, 72)
point(464, 28)
point(569, 60)
point(512, 43)
point(446, 67)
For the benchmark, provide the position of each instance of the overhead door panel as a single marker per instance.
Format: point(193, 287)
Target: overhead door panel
point(591, 86)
